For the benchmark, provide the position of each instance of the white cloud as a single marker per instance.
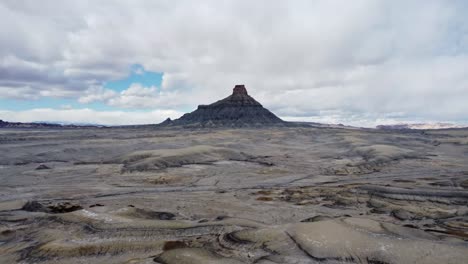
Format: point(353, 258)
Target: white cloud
point(96, 94)
point(89, 116)
point(24, 92)
point(66, 107)
point(365, 119)
point(135, 97)
point(299, 58)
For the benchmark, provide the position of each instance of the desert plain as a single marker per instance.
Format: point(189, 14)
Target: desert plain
point(305, 194)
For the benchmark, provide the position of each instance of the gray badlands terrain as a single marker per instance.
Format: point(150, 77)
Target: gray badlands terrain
point(268, 195)
point(273, 195)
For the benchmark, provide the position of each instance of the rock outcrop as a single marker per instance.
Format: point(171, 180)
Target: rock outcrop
point(236, 110)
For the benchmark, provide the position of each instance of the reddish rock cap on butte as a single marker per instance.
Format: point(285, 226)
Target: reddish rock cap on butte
point(239, 89)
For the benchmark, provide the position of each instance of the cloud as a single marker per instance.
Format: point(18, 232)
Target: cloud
point(135, 97)
point(96, 94)
point(87, 115)
point(24, 92)
point(68, 114)
point(299, 58)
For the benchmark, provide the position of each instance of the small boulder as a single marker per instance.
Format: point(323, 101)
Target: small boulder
point(33, 206)
point(65, 207)
point(403, 215)
point(57, 208)
point(42, 167)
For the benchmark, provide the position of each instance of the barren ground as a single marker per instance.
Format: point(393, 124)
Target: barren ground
point(282, 195)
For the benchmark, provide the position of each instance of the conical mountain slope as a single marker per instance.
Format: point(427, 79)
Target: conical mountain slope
point(236, 110)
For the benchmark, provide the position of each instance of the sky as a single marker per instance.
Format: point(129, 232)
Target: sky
point(359, 62)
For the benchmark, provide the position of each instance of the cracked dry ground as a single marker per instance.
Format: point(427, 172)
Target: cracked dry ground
point(285, 195)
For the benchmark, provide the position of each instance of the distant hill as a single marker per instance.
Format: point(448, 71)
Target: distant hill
point(5, 124)
point(420, 126)
point(66, 123)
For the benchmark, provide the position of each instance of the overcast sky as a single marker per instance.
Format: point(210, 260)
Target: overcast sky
point(126, 62)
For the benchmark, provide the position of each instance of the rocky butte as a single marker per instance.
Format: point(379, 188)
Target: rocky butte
point(237, 110)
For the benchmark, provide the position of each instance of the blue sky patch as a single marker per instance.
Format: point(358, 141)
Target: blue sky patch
point(48, 102)
point(137, 75)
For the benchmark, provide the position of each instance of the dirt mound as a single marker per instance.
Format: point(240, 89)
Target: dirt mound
point(164, 158)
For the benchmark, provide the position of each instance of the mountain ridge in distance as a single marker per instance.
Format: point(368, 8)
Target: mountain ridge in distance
point(421, 126)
